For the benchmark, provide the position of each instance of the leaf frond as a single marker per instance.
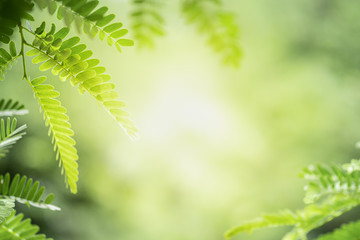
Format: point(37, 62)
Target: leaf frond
point(24, 190)
point(89, 19)
point(331, 192)
point(283, 218)
point(71, 61)
point(17, 228)
point(303, 220)
point(147, 22)
point(55, 117)
point(9, 134)
point(218, 25)
point(10, 108)
point(330, 180)
point(7, 59)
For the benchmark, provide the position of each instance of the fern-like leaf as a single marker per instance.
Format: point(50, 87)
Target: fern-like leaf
point(16, 228)
point(89, 19)
point(331, 192)
point(10, 108)
point(219, 26)
point(283, 218)
point(55, 117)
point(303, 220)
point(330, 180)
point(9, 135)
point(350, 231)
point(147, 22)
point(71, 61)
point(25, 191)
point(6, 208)
point(7, 59)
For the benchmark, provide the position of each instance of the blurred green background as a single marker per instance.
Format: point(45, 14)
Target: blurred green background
point(218, 145)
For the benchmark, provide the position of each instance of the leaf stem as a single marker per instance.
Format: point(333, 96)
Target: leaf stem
point(23, 42)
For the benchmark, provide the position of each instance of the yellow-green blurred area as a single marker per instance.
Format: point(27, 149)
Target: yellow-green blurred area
point(218, 145)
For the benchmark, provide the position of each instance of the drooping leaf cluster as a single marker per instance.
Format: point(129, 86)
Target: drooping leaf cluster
point(331, 192)
point(89, 19)
point(72, 61)
point(56, 119)
point(69, 60)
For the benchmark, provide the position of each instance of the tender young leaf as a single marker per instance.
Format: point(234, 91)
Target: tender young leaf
point(57, 120)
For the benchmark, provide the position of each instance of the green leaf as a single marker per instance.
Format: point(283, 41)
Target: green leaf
point(112, 27)
point(12, 49)
point(57, 120)
point(5, 54)
point(125, 42)
point(40, 29)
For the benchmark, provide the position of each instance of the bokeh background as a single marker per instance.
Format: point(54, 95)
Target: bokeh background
point(218, 145)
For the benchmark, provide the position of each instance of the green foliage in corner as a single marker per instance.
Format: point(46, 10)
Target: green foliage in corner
point(332, 191)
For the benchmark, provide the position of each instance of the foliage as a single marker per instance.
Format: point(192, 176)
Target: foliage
point(331, 192)
point(218, 25)
point(348, 231)
point(11, 12)
point(9, 134)
point(89, 19)
point(15, 228)
point(70, 61)
point(7, 59)
point(147, 21)
point(10, 108)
